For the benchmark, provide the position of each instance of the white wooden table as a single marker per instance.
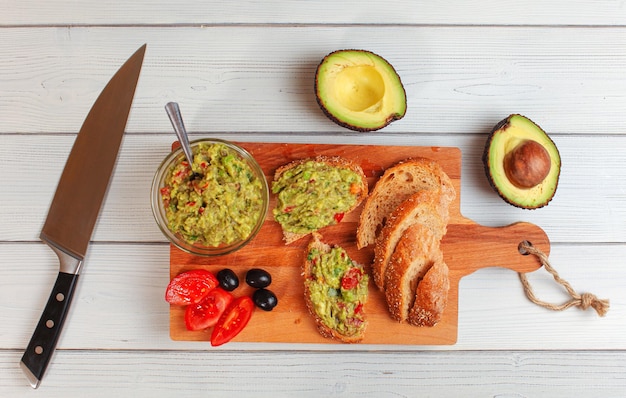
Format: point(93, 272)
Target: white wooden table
point(244, 71)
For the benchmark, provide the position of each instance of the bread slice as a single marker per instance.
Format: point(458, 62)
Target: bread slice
point(309, 206)
point(431, 297)
point(329, 311)
point(423, 207)
point(395, 186)
point(416, 252)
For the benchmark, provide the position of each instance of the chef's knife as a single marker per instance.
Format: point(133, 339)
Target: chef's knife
point(76, 204)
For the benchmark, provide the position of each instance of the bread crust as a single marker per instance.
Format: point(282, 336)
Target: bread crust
point(395, 185)
point(333, 161)
point(416, 252)
point(323, 329)
point(422, 207)
point(405, 216)
point(431, 297)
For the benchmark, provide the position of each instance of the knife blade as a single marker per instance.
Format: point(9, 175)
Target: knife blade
point(76, 204)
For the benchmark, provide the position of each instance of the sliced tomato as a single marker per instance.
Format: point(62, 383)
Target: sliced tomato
point(232, 322)
point(351, 278)
point(338, 217)
point(190, 287)
point(207, 312)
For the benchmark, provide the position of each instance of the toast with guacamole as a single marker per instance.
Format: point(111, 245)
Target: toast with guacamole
point(316, 192)
point(335, 291)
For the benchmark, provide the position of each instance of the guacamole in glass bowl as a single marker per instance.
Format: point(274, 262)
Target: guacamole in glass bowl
point(216, 204)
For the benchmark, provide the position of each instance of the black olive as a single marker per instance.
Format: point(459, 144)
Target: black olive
point(265, 299)
point(258, 278)
point(228, 279)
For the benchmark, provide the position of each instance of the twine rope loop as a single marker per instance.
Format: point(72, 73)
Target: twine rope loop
point(582, 301)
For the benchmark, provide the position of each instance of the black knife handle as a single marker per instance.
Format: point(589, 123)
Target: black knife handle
point(43, 343)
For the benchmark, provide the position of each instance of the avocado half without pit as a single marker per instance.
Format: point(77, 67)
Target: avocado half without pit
point(359, 90)
point(522, 163)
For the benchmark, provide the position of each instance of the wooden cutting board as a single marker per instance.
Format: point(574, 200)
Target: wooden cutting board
point(467, 247)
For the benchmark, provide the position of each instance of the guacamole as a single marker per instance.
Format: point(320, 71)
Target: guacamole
point(216, 200)
point(313, 195)
point(338, 288)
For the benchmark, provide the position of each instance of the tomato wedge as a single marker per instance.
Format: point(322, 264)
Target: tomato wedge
point(190, 287)
point(207, 312)
point(232, 321)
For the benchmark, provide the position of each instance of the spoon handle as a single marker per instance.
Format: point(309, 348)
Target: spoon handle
point(173, 111)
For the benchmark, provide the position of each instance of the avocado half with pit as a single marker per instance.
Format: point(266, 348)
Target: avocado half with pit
point(359, 90)
point(522, 163)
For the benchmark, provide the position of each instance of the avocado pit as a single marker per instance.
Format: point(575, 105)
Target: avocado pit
point(527, 165)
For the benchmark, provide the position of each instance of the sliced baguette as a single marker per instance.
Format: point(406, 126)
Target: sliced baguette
point(414, 255)
point(423, 207)
point(431, 297)
point(323, 327)
point(395, 186)
point(359, 190)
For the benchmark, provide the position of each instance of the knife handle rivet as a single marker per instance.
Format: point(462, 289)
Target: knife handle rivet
point(39, 350)
point(60, 297)
point(49, 323)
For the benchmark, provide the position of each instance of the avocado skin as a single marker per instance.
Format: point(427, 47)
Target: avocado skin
point(341, 123)
point(503, 125)
point(323, 106)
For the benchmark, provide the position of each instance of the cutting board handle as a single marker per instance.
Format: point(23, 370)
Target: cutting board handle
point(470, 247)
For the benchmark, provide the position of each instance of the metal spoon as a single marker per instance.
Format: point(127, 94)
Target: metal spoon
point(173, 111)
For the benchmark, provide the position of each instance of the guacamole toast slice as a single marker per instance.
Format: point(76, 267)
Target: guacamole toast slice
point(335, 291)
point(316, 192)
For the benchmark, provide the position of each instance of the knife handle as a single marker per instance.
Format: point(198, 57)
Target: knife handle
point(44, 340)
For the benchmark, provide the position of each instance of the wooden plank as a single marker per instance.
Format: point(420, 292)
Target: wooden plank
point(466, 12)
point(467, 247)
point(105, 373)
point(239, 79)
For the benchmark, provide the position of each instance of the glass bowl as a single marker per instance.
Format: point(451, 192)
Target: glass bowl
point(216, 212)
